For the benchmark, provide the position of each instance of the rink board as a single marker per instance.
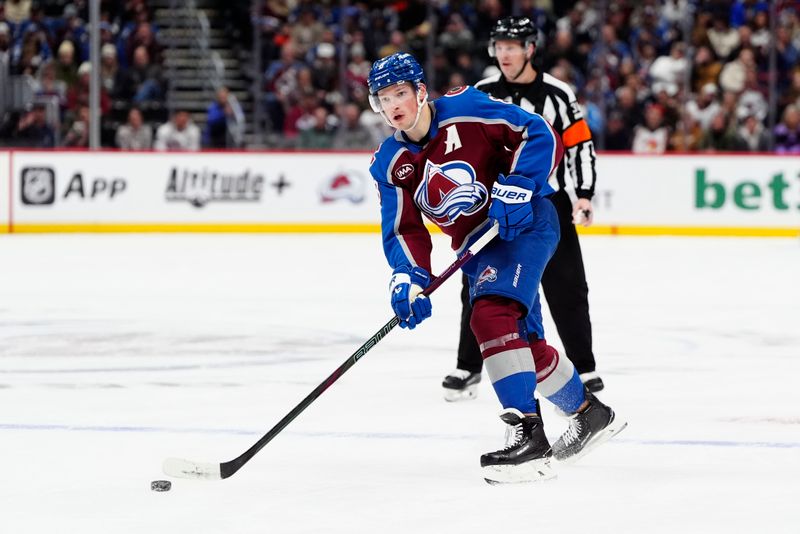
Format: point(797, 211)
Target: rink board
point(333, 192)
point(5, 198)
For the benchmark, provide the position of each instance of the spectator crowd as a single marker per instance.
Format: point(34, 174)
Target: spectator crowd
point(651, 76)
point(49, 41)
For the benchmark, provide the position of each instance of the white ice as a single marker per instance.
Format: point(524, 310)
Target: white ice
point(117, 351)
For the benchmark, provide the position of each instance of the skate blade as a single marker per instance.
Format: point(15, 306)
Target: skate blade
point(604, 435)
point(533, 471)
point(458, 395)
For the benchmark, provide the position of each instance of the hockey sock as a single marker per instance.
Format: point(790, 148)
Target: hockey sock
point(506, 356)
point(557, 379)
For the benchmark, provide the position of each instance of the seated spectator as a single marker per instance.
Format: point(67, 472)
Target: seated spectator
point(307, 31)
point(687, 134)
point(465, 64)
point(134, 134)
point(281, 82)
point(792, 94)
point(720, 137)
point(111, 76)
point(617, 136)
point(705, 68)
point(351, 134)
point(32, 51)
point(299, 106)
point(143, 36)
point(358, 68)
point(752, 100)
point(670, 69)
point(724, 39)
point(652, 136)
point(787, 132)
point(179, 133)
point(704, 106)
point(456, 37)
point(752, 135)
point(142, 81)
point(325, 72)
point(71, 27)
point(78, 94)
point(17, 11)
point(786, 47)
point(78, 133)
point(316, 131)
point(734, 74)
point(66, 67)
point(629, 107)
point(48, 85)
point(225, 116)
point(33, 130)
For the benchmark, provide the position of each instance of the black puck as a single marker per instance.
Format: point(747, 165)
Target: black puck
point(160, 485)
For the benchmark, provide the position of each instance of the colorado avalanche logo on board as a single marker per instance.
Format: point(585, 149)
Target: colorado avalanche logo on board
point(450, 190)
point(489, 274)
point(345, 185)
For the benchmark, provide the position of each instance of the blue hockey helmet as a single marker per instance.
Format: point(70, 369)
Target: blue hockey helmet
point(392, 70)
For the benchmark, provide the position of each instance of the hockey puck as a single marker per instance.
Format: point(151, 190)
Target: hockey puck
point(160, 485)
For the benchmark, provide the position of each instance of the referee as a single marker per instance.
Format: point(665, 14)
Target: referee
point(513, 44)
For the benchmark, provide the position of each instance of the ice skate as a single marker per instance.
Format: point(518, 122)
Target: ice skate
point(526, 456)
point(587, 429)
point(461, 385)
point(592, 381)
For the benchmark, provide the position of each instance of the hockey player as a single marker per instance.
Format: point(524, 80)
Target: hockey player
point(513, 44)
point(465, 161)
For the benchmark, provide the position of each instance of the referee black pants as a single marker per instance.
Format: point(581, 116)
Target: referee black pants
point(566, 291)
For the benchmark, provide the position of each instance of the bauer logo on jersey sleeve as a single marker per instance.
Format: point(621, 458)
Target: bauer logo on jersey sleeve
point(448, 191)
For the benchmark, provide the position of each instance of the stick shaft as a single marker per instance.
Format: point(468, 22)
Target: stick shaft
point(229, 468)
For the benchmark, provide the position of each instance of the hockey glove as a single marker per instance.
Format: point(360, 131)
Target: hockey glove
point(406, 285)
point(511, 205)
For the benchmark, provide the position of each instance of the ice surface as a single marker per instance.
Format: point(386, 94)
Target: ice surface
point(118, 351)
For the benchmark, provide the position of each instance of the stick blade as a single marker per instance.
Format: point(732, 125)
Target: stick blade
point(180, 468)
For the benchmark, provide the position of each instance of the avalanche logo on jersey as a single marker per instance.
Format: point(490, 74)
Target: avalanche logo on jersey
point(489, 274)
point(448, 191)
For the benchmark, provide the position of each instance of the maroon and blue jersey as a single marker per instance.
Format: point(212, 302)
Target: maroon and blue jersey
point(448, 177)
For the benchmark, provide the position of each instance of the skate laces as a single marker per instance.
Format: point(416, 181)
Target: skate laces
point(573, 432)
point(514, 435)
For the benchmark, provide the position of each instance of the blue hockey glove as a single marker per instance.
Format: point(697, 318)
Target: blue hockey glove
point(406, 285)
point(511, 205)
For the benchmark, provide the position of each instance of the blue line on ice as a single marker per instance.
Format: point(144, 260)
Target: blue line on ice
point(378, 435)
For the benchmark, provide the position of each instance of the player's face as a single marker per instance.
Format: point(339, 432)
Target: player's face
point(399, 103)
point(511, 57)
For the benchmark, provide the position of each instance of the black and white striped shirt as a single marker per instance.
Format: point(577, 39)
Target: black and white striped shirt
point(555, 101)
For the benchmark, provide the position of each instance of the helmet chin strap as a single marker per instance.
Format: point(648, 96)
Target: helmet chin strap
point(420, 105)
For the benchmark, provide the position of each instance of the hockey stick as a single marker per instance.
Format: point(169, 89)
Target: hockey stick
point(180, 468)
